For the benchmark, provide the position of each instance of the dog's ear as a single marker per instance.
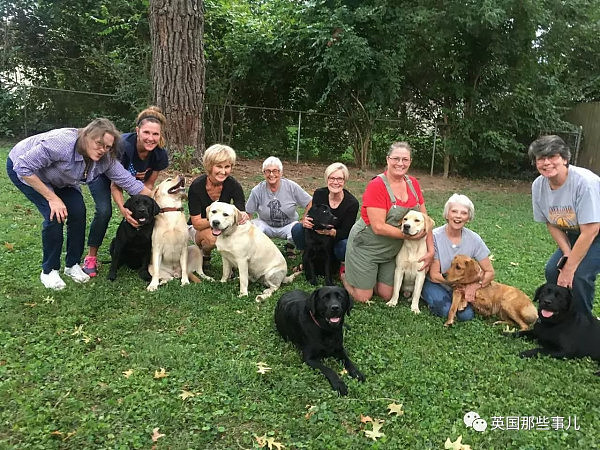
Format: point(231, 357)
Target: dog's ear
point(349, 301)
point(238, 215)
point(208, 210)
point(569, 296)
point(128, 203)
point(311, 303)
point(471, 271)
point(429, 223)
point(536, 296)
point(155, 208)
point(155, 191)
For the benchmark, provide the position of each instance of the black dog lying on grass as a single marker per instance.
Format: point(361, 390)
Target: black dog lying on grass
point(133, 246)
point(318, 258)
point(314, 325)
point(561, 330)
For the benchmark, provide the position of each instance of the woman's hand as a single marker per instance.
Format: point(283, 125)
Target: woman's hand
point(307, 222)
point(58, 210)
point(129, 218)
point(427, 260)
point(565, 277)
point(244, 217)
point(470, 290)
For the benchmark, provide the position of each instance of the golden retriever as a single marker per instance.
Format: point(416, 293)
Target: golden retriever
point(246, 247)
point(407, 276)
point(171, 256)
point(511, 304)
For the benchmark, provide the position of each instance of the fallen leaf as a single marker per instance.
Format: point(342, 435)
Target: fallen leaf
point(270, 442)
point(31, 305)
point(513, 263)
point(128, 373)
point(457, 445)
point(311, 411)
point(124, 354)
point(156, 435)
point(78, 330)
point(395, 409)
point(86, 338)
point(161, 374)
point(365, 419)
point(262, 368)
point(498, 226)
point(186, 394)
point(492, 257)
point(343, 372)
point(10, 246)
point(375, 433)
point(49, 299)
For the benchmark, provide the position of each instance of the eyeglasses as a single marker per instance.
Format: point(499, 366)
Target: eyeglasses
point(336, 179)
point(543, 159)
point(271, 171)
point(102, 145)
point(397, 159)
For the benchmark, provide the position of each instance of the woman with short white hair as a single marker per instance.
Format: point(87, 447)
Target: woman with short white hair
point(275, 201)
point(450, 240)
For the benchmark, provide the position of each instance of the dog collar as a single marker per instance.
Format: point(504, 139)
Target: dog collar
point(170, 209)
point(312, 316)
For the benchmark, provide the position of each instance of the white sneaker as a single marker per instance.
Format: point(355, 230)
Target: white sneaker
point(52, 280)
point(77, 273)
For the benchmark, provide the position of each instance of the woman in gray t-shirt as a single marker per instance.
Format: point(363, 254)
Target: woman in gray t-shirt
point(450, 240)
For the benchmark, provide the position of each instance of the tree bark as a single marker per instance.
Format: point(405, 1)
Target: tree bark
point(178, 68)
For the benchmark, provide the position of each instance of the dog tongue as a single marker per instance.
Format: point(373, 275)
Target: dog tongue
point(216, 232)
point(547, 313)
point(334, 319)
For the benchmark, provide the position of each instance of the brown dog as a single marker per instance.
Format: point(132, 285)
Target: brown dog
point(511, 304)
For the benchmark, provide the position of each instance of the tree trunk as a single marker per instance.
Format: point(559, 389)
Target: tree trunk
point(176, 29)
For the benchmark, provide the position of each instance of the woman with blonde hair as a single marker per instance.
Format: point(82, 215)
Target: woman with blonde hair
point(344, 207)
point(49, 169)
point(143, 155)
point(216, 184)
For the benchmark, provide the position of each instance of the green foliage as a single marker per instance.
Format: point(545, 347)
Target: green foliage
point(64, 354)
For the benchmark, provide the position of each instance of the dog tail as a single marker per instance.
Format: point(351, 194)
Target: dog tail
point(193, 278)
point(290, 278)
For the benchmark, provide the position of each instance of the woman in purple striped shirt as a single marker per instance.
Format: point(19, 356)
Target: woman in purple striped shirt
point(49, 169)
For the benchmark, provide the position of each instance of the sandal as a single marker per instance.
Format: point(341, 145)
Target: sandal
point(289, 250)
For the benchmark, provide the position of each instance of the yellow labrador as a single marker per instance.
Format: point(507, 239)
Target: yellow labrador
point(171, 256)
point(247, 248)
point(407, 275)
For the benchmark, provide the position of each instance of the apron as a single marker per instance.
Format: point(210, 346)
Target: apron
point(381, 249)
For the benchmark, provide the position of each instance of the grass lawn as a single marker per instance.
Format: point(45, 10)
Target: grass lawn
point(101, 365)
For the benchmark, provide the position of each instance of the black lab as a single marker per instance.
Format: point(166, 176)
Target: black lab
point(313, 323)
point(318, 258)
point(562, 331)
point(133, 246)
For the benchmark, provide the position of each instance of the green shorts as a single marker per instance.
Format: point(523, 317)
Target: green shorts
point(370, 258)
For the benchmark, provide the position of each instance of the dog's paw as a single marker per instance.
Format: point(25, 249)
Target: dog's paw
point(357, 374)
point(340, 387)
point(113, 277)
point(242, 294)
point(529, 353)
point(416, 310)
point(392, 303)
point(145, 275)
point(152, 287)
point(185, 282)
point(206, 277)
point(261, 297)
point(448, 323)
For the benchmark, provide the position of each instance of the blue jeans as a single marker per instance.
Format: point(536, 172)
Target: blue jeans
point(52, 230)
point(339, 248)
point(584, 281)
point(100, 190)
point(439, 298)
